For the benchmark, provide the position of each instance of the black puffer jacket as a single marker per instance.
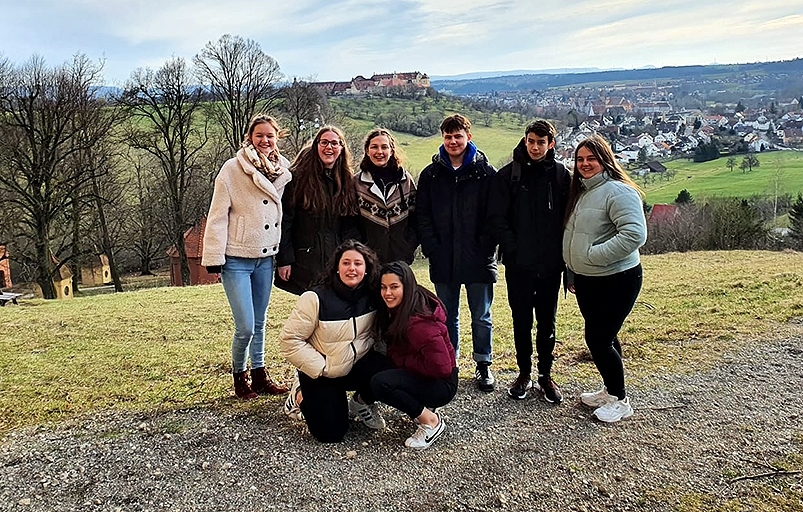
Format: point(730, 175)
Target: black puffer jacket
point(309, 240)
point(525, 217)
point(451, 207)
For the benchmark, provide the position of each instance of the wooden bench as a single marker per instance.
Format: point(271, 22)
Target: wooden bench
point(9, 297)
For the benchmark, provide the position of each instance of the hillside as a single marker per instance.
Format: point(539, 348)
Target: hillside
point(780, 171)
point(758, 77)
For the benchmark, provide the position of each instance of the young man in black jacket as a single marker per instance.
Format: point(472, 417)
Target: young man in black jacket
point(451, 206)
point(528, 201)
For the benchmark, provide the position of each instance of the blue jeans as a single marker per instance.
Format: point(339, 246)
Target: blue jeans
point(480, 296)
point(247, 283)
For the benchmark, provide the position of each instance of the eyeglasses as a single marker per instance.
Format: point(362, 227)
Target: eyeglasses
point(332, 143)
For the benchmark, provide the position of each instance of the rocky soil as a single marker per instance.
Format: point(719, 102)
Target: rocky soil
point(690, 434)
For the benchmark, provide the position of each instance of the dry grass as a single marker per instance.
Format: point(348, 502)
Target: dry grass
point(169, 347)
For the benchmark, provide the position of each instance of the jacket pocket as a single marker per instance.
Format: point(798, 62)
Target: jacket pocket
point(239, 229)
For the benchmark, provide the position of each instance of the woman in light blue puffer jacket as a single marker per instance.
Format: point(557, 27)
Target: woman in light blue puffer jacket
point(605, 226)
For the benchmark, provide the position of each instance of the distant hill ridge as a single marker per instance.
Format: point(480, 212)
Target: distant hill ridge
point(546, 80)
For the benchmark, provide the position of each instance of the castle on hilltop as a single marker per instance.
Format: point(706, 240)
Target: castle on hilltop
point(376, 84)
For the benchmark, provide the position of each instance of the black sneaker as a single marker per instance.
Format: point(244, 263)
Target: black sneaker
point(520, 386)
point(550, 390)
point(485, 379)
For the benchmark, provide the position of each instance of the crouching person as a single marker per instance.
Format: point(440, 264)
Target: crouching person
point(413, 323)
point(329, 337)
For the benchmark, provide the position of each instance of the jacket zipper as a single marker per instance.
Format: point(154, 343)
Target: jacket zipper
point(353, 348)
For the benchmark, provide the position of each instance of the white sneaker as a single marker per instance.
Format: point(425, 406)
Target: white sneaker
point(367, 413)
point(614, 410)
point(595, 398)
point(291, 408)
point(426, 435)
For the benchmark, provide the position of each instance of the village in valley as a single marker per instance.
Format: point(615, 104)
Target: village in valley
point(646, 122)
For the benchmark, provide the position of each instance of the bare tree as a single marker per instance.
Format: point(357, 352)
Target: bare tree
point(44, 116)
point(166, 121)
point(749, 161)
point(143, 233)
point(241, 78)
point(305, 109)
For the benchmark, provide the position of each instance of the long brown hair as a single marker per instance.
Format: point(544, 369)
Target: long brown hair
point(416, 300)
point(309, 190)
point(600, 148)
point(396, 159)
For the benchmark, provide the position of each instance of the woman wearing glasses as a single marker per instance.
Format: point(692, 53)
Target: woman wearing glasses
point(320, 210)
point(386, 197)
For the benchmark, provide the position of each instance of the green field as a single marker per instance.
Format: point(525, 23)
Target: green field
point(780, 171)
point(496, 141)
point(166, 348)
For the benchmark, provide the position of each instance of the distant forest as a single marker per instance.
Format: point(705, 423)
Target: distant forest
point(760, 77)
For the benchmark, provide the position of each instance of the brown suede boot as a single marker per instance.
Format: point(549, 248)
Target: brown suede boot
point(241, 387)
point(263, 385)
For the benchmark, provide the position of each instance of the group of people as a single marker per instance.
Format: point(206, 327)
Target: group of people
point(344, 241)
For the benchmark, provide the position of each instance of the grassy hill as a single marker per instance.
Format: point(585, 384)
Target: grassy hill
point(496, 141)
point(165, 348)
point(497, 135)
point(780, 171)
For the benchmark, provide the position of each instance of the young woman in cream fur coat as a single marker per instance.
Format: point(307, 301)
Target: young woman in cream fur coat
point(243, 231)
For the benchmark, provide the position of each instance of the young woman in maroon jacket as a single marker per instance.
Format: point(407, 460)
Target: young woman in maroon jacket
point(413, 324)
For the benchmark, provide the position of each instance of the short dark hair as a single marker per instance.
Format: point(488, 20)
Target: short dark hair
point(455, 123)
point(542, 128)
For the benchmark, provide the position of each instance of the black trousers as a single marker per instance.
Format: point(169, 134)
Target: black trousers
point(411, 393)
point(605, 302)
point(324, 401)
point(528, 293)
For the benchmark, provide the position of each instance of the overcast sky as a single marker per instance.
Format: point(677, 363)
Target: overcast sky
point(339, 39)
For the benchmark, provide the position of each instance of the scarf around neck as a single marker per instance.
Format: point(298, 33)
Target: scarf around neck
point(268, 165)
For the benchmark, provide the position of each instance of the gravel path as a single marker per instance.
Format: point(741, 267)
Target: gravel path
point(690, 433)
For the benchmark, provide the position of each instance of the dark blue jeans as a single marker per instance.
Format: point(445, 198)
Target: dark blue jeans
point(480, 296)
point(605, 302)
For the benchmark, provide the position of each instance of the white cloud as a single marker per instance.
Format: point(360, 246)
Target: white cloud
point(343, 38)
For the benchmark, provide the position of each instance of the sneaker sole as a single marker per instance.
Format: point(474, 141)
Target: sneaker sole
point(623, 417)
point(515, 396)
point(487, 388)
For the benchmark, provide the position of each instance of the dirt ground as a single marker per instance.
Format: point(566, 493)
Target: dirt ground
point(690, 440)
